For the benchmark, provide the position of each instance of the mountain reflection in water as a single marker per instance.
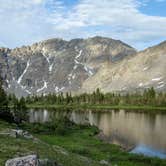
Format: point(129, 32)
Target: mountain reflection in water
point(145, 132)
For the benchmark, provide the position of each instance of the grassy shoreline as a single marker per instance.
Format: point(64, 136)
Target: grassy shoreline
point(78, 147)
point(102, 107)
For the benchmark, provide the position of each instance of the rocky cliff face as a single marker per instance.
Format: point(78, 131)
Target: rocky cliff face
point(55, 65)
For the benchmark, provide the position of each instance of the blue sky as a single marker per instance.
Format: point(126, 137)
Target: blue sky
point(140, 23)
point(155, 8)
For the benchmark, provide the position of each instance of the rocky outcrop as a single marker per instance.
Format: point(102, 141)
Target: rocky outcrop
point(56, 65)
point(17, 133)
point(30, 160)
point(20, 133)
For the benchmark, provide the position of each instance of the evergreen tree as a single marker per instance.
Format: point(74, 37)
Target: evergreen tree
point(148, 97)
point(20, 110)
point(3, 97)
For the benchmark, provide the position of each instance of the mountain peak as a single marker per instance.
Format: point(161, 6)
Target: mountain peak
point(56, 65)
point(82, 65)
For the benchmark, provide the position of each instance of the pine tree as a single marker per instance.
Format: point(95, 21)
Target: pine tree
point(3, 97)
point(20, 110)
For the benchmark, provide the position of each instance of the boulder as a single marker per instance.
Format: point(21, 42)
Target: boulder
point(104, 162)
point(31, 160)
point(14, 133)
point(27, 135)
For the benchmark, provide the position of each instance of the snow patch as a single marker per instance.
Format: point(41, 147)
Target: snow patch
point(28, 92)
point(44, 87)
point(124, 88)
point(47, 58)
point(50, 67)
point(75, 67)
point(162, 82)
point(73, 76)
point(140, 84)
point(160, 86)
point(49, 63)
point(145, 68)
point(76, 48)
point(157, 79)
point(24, 88)
point(76, 58)
point(57, 89)
point(70, 74)
point(143, 84)
point(20, 78)
point(8, 84)
point(89, 70)
point(80, 53)
point(77, 61)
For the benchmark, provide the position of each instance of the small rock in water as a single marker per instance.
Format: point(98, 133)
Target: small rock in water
point(31, 160)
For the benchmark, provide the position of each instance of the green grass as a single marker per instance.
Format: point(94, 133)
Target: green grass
point(11, 147)
point(82, 141)
point(78, 147)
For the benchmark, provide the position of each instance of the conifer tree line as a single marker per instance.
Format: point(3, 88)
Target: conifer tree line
point(3, 97)
point(148, 97)
point(12, 108)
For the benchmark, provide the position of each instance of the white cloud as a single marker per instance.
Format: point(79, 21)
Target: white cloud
point(26, 21)
point(38, 1)
point(123, 17)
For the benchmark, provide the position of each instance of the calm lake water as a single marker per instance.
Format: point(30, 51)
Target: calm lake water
point(143, 133)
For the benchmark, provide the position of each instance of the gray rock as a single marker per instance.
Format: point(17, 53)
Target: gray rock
point(13, 133)
point(30, 160)
point(27, 135)
point(19, 132)
point(104, 162)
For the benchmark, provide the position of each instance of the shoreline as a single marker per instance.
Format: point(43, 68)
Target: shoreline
point(123, 146)
point(150, 109)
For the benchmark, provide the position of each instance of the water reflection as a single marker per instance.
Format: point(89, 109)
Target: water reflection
point(121, 127)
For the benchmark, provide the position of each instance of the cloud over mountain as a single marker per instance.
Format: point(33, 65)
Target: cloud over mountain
point(25, 21)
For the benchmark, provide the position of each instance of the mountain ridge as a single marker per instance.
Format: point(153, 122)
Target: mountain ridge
point(78, 65)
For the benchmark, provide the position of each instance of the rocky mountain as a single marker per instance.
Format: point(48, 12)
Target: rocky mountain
point(79, 65)
point(144, 70)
